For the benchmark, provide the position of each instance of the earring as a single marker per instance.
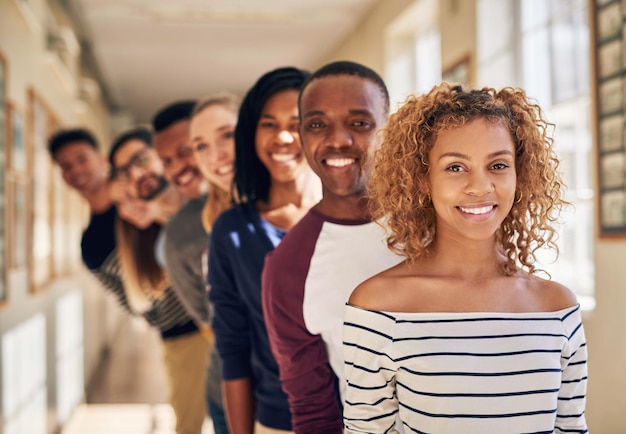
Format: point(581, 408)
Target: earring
point(519, 198)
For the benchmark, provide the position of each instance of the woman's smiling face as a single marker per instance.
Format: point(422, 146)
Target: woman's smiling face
point(212, 133)
point(277, 139)
point(473, 178)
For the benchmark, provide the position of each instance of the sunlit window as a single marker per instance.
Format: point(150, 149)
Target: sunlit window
point(413, 52)
point(543, 46)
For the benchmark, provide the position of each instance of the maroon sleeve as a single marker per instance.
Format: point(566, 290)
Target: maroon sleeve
point(305, 372)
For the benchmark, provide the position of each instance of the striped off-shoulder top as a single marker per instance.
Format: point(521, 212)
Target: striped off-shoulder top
point(465, 372)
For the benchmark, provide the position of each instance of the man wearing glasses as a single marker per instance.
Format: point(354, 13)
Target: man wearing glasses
point(140, 173)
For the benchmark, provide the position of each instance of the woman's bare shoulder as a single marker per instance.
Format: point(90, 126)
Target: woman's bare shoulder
point(376, 292)
point(554, 296)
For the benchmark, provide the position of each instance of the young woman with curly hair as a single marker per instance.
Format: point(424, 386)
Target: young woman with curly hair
point(464, 336)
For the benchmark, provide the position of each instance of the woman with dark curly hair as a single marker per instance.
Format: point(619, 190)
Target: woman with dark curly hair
point(464, 336)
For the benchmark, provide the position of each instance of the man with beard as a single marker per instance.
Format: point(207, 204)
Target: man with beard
point(172, 145)
point(185, 237)
point(308, 278)
point(140, 172)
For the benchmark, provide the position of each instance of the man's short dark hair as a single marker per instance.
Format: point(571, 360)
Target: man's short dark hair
point(139, 133)
point(345, 67)
point(172, 113)
point(65, 137)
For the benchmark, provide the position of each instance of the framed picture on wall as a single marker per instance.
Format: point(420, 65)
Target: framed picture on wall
point(613, 172)
point(17, 185)
point(613, 209)
point(18, 218)
point(4, 134)
point(60, 228)
point(610, 59)
point(609, 22)
point(611, 133)
point(17, 151)
point(610, 96)
point(609, 45)
point(40, 196)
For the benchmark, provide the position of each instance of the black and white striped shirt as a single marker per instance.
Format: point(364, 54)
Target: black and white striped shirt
point(465, 372)
point(100, 256)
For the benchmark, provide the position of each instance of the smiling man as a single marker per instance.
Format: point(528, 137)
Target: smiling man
point(85, 169)
point(82, 166)
point(172, 143)
point(185, 236)
point(182, 258)
point(309, 277)
point(140, 173)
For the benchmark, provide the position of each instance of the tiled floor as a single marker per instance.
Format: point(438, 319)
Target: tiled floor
point(129, 394)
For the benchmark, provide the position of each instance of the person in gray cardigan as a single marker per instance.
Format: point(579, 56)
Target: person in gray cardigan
point(186, 238)
point(183, 262)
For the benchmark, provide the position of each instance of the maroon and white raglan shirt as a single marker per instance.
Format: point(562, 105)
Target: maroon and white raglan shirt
point(307, 281)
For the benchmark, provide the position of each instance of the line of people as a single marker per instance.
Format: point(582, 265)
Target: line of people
point(241, 228)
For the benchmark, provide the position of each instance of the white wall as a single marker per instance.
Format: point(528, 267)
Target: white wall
point(366, 43)
point(605, 328)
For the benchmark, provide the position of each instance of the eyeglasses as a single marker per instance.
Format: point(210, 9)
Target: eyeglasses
point(139, 160)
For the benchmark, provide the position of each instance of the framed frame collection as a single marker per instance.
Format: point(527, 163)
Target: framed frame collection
point(610, 90)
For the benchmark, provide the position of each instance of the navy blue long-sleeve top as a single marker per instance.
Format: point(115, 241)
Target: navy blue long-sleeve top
point(240, 239)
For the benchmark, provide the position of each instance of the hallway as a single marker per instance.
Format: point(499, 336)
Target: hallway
point(129, 393)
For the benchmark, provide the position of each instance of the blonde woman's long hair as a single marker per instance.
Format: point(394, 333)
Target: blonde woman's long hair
point(218, 200)
point(144, 279)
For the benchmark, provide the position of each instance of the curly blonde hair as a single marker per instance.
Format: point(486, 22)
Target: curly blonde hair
point(399, 186)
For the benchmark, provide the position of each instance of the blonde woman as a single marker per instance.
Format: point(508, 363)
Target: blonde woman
point(212, 132)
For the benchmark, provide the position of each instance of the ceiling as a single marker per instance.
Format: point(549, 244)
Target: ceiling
point(152, 52)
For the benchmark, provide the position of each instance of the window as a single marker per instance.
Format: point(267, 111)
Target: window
point(413, 63)
point(543, 46)
point(24, 388)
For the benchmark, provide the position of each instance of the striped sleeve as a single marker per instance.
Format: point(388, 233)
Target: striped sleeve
point(371, 403)
point(571, 401)
point(165, 314)
point(109, 274)
point(168, 312)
